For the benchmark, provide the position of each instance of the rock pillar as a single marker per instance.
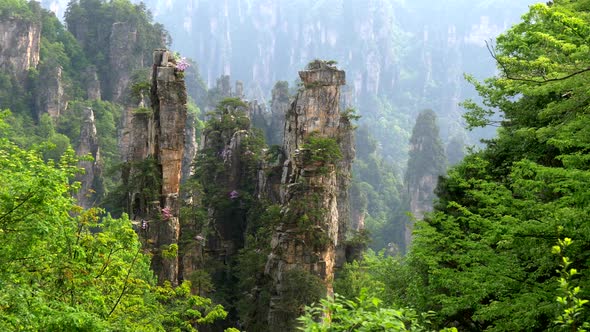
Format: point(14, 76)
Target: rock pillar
point(304, 243)
point(155, 162)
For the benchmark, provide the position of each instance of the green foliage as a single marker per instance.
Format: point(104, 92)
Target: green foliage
point(482, 259)
point(251, 262)
point(170, 251)
point(323, 151)
point(19, 9)
point(140, 85)
point(106, 117)
point(570, 303)
point(60, 47)
point(321, 64)
point(308, 213)
point(184, 310)
point(65, 269)
point(365, 313)
point(91, 21)
point(229, 114)
point(298, 287)
point(225, 209)
point(143, 111)
point(350, 114)
point(379, 275)
point(375, 193)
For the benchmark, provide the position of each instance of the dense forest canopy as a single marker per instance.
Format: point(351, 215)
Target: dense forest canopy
point(344, 201)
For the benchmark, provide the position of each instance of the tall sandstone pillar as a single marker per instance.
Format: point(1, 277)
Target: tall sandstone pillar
point(306, 240)
point(156, 148)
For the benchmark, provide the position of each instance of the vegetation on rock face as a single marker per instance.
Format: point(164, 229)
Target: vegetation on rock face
point(323, 152)
point(21, 10)
point(299, 287)
point(226, 210)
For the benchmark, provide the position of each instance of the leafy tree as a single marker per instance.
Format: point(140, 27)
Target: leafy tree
point(364, 313)
point(20, 9)
point(65, 269)
point(483, 258)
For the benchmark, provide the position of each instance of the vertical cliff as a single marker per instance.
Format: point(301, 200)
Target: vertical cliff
point(273, 122)
point(20, 39)
point(155, 163)
point(92, 83)
point(88, 145)
point(223, 179)
point(343, 180)
point(190, 147)
point(123, 59)
point(50, 96)
point(305, 241)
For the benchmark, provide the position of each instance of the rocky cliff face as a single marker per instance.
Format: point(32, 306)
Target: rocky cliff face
point(273, 122)
point(123, 59)
point(309, 232)
point(92, 83)
point(88, 145)
point(154, 173)
point(343, 179)
point(190, 147)
point(50, 97)
point(20, 40)
point(226, 173)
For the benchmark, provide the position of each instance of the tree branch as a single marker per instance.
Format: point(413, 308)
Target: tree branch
point(513, 78)
point(29, 196)
point(125, 284)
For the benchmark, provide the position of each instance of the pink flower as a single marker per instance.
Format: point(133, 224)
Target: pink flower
point(182, 64)
point(166, 213)
point(234, 194)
